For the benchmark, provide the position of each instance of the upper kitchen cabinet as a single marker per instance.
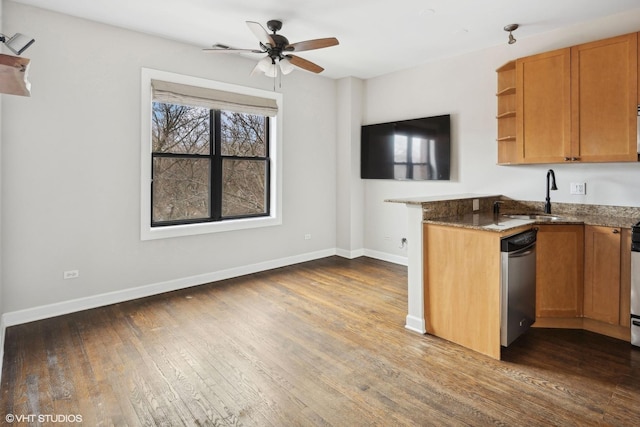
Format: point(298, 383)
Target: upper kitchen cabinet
point(604, 100)
point(506, 116)
point(543, 107)
point(577, 104)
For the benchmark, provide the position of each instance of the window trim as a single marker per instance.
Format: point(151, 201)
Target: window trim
point(275, 134)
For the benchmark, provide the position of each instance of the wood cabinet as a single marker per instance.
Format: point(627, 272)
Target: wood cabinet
point(604, 101)
point(506, 116)
point(461, 270)
point(602, 274)
point(559, 272)
point(607, 274)
point(625, 278)
point(543, 107)
point(577, 104)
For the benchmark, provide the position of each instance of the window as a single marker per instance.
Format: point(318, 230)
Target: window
point(207, 165)
point(211, 154)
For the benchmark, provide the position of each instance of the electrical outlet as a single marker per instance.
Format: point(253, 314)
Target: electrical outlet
point(71, 274)
point(476, 204)
point(307, 237)
point(579, 188)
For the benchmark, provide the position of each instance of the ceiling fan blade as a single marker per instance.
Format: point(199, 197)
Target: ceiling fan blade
point(305, 64)
point(256, 70)
point(231, 50)
point(312, 44)
point(262, 35)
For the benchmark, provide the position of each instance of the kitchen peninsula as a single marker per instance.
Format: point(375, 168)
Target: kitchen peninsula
point(454, 294)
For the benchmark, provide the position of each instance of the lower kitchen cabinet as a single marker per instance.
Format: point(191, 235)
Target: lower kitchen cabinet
point(559, 272)
point(584, 278)
point(602, 274)
point(461, 268)
point(607, 280)
point(625, 278)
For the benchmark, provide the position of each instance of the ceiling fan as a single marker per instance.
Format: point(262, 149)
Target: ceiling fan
point(278, 50)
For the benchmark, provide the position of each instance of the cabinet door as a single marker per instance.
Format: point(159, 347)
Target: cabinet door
point(625, 278)
point(602, 274)
point(559, 271)
point(604, 101)
point(543, 107)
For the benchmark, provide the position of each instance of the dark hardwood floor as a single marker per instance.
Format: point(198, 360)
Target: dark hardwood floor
point(318, 343)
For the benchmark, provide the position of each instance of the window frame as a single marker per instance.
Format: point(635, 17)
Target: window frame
point(274, 126)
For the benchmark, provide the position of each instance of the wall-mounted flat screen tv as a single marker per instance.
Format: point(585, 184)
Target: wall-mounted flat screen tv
point(417, 149)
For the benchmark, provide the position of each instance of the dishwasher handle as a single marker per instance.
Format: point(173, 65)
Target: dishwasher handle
point(526, 251)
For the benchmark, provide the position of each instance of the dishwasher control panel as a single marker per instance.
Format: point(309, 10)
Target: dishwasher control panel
point(521, 240)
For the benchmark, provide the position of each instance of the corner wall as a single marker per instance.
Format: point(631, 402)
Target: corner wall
point(349, 188)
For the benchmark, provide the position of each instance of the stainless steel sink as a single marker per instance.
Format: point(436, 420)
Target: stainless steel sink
point(536, 217)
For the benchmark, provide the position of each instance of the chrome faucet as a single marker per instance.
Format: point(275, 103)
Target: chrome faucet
point(547, 205)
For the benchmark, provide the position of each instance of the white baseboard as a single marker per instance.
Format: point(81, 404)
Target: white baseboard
point(344, 253)
point(72, 306)
point(383, 256)
point(415, 324)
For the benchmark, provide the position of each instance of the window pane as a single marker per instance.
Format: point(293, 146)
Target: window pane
point(419, 149)
point(400, 171)
point(180, 189)
point(244, 190)
point(400, 143)
point(180, 129)
point(243, 134)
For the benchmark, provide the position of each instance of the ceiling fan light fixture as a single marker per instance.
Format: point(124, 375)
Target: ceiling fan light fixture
point(510, 28)
point(264, 64)
point(286, 66)
point(268, 66)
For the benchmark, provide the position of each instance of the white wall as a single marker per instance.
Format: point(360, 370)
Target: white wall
point(71, 162)
point(349, 186)
point(465, 87)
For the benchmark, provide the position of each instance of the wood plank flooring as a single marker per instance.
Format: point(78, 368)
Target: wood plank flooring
point(320, 343)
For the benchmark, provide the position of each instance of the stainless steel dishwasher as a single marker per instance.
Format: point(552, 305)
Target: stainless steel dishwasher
point(518, 285)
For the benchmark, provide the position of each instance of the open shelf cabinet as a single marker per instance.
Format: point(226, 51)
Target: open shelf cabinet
point(506, 116)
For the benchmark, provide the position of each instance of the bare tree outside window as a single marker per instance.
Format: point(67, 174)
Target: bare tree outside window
point(207, 165)
point(243, 136)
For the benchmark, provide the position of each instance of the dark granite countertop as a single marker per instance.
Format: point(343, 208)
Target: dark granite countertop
point(481, 221)
point(476, 211)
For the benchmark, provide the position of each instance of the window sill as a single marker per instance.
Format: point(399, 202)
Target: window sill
point(152, 233)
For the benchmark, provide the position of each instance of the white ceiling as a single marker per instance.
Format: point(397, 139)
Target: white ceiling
point(376, 36)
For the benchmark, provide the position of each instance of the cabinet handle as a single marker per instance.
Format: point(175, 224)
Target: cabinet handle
point(574, 159)
point(567, 159)
point(616, 231)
